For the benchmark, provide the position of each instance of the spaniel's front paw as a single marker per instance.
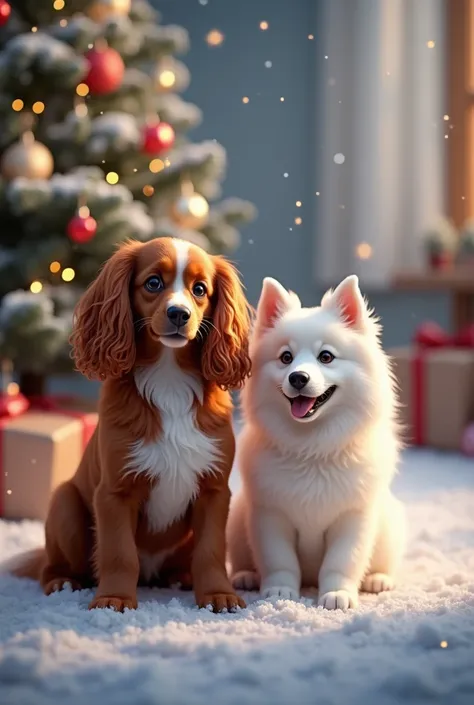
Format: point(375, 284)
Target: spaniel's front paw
point(220, 602)
point(338, 600)
point(119, 604)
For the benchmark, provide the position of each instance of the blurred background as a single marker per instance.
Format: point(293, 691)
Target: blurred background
point(305, 139)
point(353, 143)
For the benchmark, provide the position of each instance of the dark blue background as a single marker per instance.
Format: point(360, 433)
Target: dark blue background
point(265, 138)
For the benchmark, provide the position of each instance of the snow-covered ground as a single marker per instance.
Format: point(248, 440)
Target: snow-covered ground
point(415, 645)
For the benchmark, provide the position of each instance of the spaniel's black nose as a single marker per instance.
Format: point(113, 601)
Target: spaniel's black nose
point(178, 315)
point(298, 380)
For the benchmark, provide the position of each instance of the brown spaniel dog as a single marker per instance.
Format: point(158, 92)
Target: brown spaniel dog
point(165, 327)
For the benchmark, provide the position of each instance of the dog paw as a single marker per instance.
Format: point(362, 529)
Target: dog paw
point(377, 582)
point(220, 602)
point(119, 604)
point(338, 600)
point(280, 592)
point(58, 584)
point(246, 580)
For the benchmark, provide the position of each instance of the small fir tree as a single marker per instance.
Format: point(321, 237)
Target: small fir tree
point(93, 151)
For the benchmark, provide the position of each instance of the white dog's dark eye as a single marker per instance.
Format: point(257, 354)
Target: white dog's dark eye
point(325, 357)
point(199, 289)
point(154, 284)
point(286, 357)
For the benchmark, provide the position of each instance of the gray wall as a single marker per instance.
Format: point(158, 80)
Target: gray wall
point(267, 138)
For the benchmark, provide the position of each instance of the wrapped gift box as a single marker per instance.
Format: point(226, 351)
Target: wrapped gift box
point(436, 389)
point(39, 449)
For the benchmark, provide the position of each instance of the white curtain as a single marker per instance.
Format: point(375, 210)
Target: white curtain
point(383, 105)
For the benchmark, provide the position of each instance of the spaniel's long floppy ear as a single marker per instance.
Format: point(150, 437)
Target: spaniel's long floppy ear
point(103, 337)
point(225, 357)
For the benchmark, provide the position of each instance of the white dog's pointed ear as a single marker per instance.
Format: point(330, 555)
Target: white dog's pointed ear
point(347, 301)
point(274, 301)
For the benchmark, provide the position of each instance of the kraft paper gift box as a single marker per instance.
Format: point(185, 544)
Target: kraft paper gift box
point(436, 390)
point(40, 449)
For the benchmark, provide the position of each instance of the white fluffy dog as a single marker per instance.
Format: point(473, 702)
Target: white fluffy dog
point(317, 453)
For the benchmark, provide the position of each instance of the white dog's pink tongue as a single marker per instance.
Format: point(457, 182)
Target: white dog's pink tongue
point(301, 405)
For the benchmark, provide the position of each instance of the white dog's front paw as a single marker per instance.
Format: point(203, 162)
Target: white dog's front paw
point(280, 592)
point(377, 582)
point(246, 580)
point(338, 600)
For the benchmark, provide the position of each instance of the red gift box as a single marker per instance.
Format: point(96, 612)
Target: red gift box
point(41, 444)
point(436, 386)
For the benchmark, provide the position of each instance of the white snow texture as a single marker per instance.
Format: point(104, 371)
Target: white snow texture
point(391, 650)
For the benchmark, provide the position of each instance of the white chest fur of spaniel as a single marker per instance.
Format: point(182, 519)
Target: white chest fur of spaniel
point(183, 452)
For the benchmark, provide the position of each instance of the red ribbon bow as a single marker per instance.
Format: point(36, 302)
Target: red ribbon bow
point(16, 405)
point(431, 335)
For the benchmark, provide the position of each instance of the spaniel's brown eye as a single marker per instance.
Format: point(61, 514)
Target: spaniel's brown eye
point(199, 290)
point(325, 357)
point(286, 357)
point(154, 284)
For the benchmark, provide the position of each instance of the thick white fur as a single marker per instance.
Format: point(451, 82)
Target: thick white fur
point(183, 452)
point(315, 507)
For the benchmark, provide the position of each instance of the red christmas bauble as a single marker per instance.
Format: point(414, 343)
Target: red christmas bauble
point(106, 69)
point(157, 138)
point(81, 230)
point(5, 11)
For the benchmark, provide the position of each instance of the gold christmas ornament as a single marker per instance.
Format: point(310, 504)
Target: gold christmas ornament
point(190, 211)
point(102, 10)
point(27, 158)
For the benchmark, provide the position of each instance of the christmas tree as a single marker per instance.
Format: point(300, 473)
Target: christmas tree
point(93, 151)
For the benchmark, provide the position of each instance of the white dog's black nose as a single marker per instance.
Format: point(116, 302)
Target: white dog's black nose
point(298, 380)
point(178, 315)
